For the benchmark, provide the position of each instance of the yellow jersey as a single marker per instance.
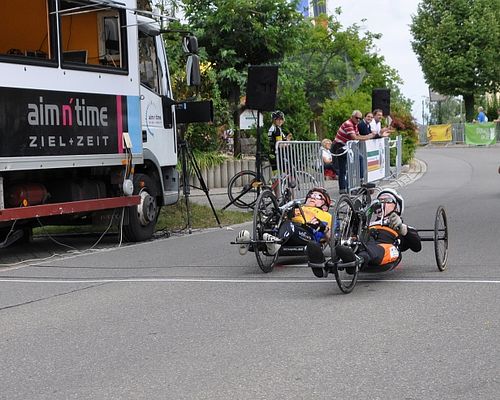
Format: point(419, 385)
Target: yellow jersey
point(311, 212)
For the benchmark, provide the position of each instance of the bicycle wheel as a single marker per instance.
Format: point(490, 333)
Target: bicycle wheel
point(441, 238)
point(346, 232)
point(242, 189)
point(347, 227)
point(266, 216)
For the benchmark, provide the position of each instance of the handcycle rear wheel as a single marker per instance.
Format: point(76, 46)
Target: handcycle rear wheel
point(346, 232)
point(242, 189)
point(441, 238)
point(266, 216)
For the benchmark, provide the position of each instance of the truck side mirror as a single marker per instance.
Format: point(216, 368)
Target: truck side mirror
point(187, 111)
point(194, 111)
point(193, 75)
point(190, 44)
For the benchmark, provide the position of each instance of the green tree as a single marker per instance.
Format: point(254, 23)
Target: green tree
point(237, 33)
point(445, 112)
point(340, 62)
point(457, 42)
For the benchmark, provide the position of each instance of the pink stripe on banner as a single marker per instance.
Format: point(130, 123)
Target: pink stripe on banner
point(119, 123)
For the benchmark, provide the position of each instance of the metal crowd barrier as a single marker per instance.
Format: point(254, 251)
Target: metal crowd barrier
point(300, 166)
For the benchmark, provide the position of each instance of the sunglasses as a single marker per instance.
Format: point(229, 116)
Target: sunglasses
point(316, 196)
point(387, 200)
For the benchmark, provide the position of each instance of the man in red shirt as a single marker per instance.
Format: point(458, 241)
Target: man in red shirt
point(347, 131)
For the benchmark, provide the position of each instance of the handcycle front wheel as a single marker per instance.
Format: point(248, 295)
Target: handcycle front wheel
point(266, 216)
point(242, 189)
point(441, 238)
point(346, 232)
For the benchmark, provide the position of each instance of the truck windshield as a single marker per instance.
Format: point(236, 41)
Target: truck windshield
point(148, 63)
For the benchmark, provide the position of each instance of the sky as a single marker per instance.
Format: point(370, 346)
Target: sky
point(391, 19)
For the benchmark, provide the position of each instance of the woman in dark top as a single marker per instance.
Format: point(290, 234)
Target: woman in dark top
point(364, 127)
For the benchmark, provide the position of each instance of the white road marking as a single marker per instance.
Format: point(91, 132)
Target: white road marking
point(229, 280)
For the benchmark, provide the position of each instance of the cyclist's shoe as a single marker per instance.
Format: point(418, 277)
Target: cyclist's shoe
point(346, 255)
point(243, 238)
point(272, 248)
point(316, 259)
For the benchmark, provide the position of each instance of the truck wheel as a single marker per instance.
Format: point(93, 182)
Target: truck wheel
point(142, 218)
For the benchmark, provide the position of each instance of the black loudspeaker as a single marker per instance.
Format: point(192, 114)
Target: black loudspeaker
point(381, 98)
point(194, 111)
point(261, 87)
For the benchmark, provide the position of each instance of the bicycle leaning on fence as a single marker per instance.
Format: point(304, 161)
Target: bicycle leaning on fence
point(243, 188)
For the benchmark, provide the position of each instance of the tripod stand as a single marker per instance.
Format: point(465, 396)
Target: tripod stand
point(187, 157)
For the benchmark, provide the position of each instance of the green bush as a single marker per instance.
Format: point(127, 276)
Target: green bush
point(337, 111)
point(405, 126)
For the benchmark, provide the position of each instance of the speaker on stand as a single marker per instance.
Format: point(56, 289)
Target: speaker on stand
point(381, 99)
point(261, 87)
point(262, 84)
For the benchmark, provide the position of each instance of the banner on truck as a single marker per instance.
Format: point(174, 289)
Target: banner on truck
point(53, 123)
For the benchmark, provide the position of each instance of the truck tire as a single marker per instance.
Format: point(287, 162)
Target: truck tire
point(142, 218)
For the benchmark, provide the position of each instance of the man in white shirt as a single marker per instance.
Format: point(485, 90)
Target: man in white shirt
point(376, 125)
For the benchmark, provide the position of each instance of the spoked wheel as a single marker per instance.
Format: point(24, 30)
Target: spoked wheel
point(347, 227)
point(266, 216)
point(441, 238)
point(242, 189)
point(346, 232)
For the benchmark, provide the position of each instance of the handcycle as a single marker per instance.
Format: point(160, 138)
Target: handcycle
point(268, 216)
point(243, 188)
point(351, 228)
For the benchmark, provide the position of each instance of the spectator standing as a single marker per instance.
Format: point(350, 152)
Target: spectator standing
point(376, 124)
point(364, 129)
point(364, 126)
point(497, 120)
point(481, 116)
point(275, 134)
point(347, 131)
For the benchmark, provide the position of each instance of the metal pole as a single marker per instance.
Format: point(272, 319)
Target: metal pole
point(258, 150)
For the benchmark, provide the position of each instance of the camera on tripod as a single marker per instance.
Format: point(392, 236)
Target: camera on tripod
point(187, 112)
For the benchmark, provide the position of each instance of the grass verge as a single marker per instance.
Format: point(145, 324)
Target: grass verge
point(174, 217)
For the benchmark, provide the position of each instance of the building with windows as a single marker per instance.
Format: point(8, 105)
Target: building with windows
point(312, 8)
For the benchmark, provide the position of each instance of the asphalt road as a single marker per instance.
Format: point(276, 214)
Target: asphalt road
point(186, 317)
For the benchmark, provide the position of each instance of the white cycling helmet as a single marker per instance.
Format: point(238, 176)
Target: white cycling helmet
point(400, 203)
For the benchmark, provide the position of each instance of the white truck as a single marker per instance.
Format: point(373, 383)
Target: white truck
point(86, 118)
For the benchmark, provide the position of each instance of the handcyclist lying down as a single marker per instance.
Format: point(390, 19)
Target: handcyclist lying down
point(388, 238)
point(309, 222)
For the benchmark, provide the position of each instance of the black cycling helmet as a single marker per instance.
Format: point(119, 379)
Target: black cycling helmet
point(277, 114)
point(400, 203)
point(328, 200)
